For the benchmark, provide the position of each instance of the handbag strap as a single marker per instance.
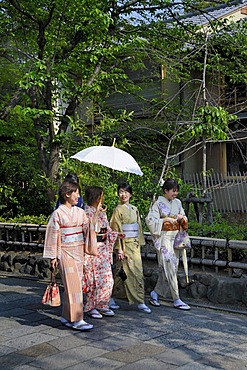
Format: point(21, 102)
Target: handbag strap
point(53, 277)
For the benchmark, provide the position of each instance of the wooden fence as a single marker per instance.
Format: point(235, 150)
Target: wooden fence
point(204, 252)
point(229, 193)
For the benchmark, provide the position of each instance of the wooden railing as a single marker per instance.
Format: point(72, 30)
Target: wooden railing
point(27, 237)
point(204, 252)
point(209, 250)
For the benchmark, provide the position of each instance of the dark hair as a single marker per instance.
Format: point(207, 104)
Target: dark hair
point(170, 184)
point(92, 194)
point(67, 187)
point(71, 177)
point(125, 186)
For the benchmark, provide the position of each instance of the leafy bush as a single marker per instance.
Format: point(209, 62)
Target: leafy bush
point(220, 230)
point(36, 220)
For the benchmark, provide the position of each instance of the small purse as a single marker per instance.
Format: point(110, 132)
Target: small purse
point(182, 240)
point(51, 296)
point(122, 274)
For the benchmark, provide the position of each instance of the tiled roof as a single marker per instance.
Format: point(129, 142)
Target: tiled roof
point(213, 13)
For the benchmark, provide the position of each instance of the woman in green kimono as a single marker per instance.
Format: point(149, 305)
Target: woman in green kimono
point(126, 219)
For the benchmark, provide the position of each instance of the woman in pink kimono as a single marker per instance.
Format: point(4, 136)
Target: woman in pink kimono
point(98, 279)
point(68, 232)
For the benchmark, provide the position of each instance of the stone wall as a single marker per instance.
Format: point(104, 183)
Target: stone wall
point(217, 289)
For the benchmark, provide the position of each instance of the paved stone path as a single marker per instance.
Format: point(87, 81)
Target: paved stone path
point(31, 336)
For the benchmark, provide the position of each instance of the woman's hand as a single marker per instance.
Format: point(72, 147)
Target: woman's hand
point(54, 263)
point(120, 255)
point(121, 235)
point(95, 216)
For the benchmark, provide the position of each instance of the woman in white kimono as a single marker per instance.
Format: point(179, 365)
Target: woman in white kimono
point(126, 219)
point(68, 232)
point(163, 220)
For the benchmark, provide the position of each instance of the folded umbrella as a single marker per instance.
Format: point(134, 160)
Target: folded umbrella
point(185, 263)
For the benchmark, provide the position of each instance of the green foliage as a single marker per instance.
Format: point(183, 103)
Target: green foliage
point(63, 55)
point(212, 122)
point(6, 196)
point(35, 220)
point(220, 230)
point(58, 65)
point(206, 4)
point(22, 180)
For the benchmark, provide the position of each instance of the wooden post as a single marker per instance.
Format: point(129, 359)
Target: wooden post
point(199, 204)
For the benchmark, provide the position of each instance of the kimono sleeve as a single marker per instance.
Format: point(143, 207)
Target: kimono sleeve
point(181, 210)
point(90, 236)
point(111, 237)
point(116, 225)
point(141, 235)
point(52, 245)
point(153, 220)
point(184, 222)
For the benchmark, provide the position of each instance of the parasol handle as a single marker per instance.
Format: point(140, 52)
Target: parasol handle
point(101, 201)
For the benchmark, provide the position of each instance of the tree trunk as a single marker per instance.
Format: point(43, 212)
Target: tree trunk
point(204, 165)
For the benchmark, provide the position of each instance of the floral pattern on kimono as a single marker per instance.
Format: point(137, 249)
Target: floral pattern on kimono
point(161, 209)
point(168, 258)
point(98, 279)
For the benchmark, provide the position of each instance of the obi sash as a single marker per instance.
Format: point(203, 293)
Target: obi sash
point(168, 226)
point(131, 230)
point(71, 234)
point(101, 236)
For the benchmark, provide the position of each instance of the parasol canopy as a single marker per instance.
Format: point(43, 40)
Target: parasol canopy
point(109, 156)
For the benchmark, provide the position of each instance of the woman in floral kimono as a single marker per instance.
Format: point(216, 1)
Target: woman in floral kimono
point(163, 220)
point(126, 219)
point(98, 279)
point(68, 232)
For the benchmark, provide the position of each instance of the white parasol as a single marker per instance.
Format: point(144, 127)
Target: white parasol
point(109, 156)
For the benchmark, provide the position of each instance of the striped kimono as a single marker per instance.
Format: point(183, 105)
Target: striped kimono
point(168, 258)
point(67, 232)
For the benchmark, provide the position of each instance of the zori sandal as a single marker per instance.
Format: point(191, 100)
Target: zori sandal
point(66, 322)
point(94, 314)
point(181, 305)
point(153, 300)
point(81, 325)
point(113, 304)
point(106, 312)
point(143, 308)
